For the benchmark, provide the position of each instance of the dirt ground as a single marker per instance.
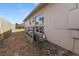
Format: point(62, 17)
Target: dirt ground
point(18, 45)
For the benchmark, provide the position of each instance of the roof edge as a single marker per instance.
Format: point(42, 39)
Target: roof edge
point(39, 6)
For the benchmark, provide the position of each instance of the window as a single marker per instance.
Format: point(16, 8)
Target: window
point(40, 19)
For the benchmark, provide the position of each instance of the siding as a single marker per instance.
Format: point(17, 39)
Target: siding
point(58, 20)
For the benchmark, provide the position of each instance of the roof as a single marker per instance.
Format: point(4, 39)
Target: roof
point(40, 6)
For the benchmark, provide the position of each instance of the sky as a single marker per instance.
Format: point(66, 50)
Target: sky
point(15, 12)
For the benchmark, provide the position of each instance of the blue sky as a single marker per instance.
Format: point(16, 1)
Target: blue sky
point(15, 12)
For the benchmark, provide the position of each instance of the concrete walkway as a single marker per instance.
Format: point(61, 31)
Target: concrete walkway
point(18, 45)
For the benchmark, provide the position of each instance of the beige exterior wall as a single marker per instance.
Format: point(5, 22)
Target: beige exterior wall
point(28, 24)
point(56, 17)
point(58, 20)
point(4, 26)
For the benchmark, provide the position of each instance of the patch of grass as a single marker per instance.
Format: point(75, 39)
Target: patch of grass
point(18, 30)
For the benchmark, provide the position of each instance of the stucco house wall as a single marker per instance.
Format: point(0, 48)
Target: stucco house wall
point(61, 24)
point(5, 28)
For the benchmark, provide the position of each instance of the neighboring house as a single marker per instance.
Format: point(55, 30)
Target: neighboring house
point(5, 28)
point(60, 22)
point(20, 26)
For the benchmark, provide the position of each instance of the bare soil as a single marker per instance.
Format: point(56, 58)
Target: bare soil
point(18, 45)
